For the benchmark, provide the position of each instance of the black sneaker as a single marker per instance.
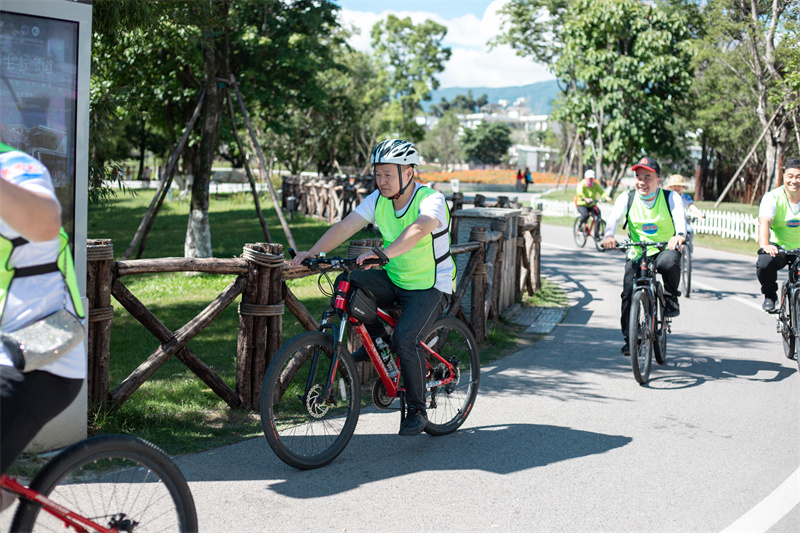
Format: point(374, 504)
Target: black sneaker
point(768, 305)
point(672, 309)
point(626, 348)
point(414, 423)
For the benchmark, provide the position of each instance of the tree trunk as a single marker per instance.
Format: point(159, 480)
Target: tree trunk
point(215, 65)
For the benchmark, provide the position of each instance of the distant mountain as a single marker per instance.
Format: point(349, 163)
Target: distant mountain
point(539, 96)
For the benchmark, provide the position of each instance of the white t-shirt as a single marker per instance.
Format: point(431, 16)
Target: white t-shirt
point(434, 206)
point(34, 297)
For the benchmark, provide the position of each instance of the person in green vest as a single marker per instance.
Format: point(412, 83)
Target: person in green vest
point(653, 214)
point(587, 193)
point(780, 212)
point(37, 278)
point(415, 224)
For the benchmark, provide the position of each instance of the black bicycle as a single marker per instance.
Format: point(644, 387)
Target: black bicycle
point(647, 326)
point(595, 228)
point(788, 311)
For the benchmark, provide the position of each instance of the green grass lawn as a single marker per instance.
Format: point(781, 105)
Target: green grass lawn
point(174, 409)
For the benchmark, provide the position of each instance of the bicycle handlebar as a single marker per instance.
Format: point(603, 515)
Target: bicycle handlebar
point(782, 251)
point(340, 262)
point(643, 245)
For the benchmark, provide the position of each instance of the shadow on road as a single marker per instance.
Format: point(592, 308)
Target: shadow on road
point(498, 449)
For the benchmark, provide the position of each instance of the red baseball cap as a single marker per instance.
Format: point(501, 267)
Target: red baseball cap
point(648, 163)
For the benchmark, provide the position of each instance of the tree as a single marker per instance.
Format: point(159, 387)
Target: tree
point(441, 143)
point(461, 104)
point(488, 143)
point(414, 55)
point(626, 70)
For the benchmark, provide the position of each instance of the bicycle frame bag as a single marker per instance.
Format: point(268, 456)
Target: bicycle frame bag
point(362, 306)
point(43, 341)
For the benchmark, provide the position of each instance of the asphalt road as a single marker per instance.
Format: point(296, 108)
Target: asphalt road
point(562, 438)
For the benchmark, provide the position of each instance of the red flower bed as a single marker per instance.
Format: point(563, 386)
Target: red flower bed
point(497, 176)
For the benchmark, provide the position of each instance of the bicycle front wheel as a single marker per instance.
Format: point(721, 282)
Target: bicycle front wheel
point(578, 234)
point(686, 270)
point(306, 426)
point(599, 232)
point(796, 330)
point(117, 481)
point(786, 321)
point(640, 329)
point(450, 404)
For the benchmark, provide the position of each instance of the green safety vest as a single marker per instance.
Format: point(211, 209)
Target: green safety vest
point(786, 224)
point(649, 224)
point(63, 264)
point(415, 269)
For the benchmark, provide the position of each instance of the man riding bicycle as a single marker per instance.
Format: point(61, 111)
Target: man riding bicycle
point(415, 224)
point(652, 214)
point(587, 194)
point(780, 212)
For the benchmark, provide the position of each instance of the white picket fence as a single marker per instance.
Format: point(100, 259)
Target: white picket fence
point(722, 223)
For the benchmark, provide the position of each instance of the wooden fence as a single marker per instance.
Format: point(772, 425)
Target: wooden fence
point(327, 198)
point(261, 275)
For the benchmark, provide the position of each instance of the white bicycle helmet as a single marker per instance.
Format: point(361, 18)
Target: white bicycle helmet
point(589, 174)
point(396, 152)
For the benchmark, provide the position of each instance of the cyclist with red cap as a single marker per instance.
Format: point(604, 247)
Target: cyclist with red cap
point(653, 215)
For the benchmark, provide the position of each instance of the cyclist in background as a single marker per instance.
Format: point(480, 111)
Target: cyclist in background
point(780, 212)
point(653, 215)
point(415, 224)
point(33, 284)
point(676, 184)
point(588, 192)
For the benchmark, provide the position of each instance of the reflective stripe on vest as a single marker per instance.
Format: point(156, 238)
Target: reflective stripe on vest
point(785, 225)
point(649, 224)
point(415, 269)
point(63, 263)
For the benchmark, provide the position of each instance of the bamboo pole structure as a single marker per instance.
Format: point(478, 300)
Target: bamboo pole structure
point(262, 164)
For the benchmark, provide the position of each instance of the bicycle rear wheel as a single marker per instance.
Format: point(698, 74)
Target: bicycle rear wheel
point(116, 481)
point(303, 427)
point(786, 322)
point(660, 344)
point(640, 331)
point(578, 234)
point(449, 405)
point(599, 232)
point(686, 270)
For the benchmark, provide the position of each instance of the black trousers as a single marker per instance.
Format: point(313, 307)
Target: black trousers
point(767, 273)
point(28, 402)
point(420, 309)
point(584, 212)
point(668, 264)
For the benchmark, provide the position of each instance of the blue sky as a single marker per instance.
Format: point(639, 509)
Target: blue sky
point(470, 23)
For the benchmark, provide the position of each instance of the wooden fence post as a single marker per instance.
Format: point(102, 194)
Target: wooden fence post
point(260, 319)
point(537, 251)
point(478, 297)
point(99, 262)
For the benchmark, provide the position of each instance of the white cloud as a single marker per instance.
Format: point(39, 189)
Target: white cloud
point(472, 63)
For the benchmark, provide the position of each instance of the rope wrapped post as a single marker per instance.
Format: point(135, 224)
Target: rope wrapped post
point(537, 250)
point(259, 312)
point(478, 311)
point(518, 267)
point(99, 262)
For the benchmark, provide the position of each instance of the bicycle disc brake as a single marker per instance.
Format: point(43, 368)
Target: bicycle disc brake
point(380, 398)
point(121, 522)
point(316, 406)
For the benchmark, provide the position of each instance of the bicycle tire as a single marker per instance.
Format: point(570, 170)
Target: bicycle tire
point(785, 317)
point(112, 479)
point(640, 328)
point(449, 405)
point(599, 232)
point(686, 270)
point(578, 234)
point(796, 330)
point(304, 430)
point(660, 344)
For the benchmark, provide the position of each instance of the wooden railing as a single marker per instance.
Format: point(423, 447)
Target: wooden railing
point(261, 275)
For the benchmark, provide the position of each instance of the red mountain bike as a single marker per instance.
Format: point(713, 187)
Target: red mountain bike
point(311, 393)
point(595, 228)
point(108, 484)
